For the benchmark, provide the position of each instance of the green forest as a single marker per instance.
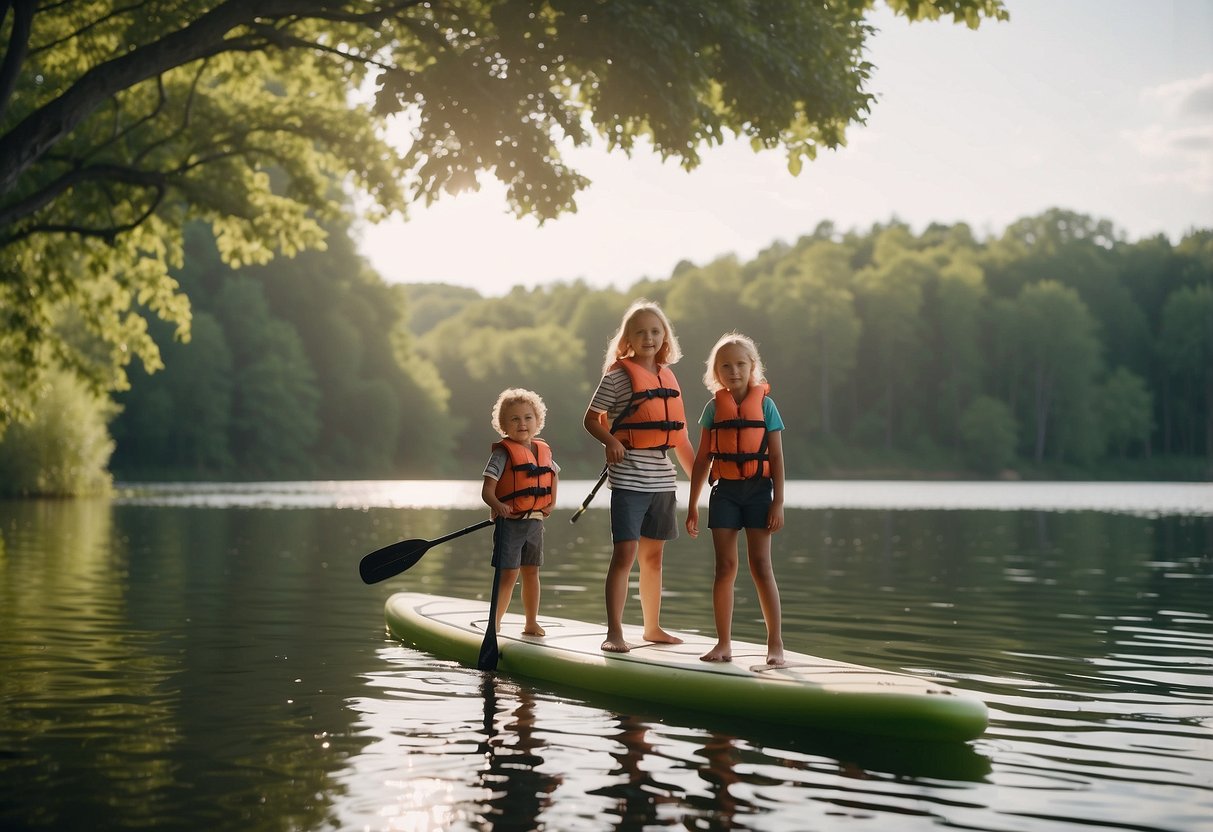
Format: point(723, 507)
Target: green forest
point(1056, 350)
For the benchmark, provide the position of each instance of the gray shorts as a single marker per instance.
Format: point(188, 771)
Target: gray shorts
point(518, 543)
point(740, 504)
point(637, 514)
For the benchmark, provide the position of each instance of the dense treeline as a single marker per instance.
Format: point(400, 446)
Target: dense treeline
point(1058, 349)
point(300, 368)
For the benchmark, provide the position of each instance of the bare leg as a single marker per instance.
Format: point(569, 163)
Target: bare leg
point(651, 552)
point(725, 543)
point(504, 590)
point(758, 551)
point(622, 558)
point(530, 601)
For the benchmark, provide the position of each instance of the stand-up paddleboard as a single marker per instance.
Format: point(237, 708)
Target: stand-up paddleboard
point(809, 691)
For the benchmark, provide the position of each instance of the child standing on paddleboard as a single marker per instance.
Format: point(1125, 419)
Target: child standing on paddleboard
point(637, 414)
point(519, 487)
point(741, 448)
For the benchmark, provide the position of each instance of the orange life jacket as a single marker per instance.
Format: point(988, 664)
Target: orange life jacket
point(526, 482)
point(739, 436)
point(654, 418)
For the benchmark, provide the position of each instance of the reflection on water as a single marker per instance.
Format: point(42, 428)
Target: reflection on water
point(198, 662)
point(550, 755)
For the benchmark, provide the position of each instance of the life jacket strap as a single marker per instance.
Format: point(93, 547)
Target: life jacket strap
point(739, 423)
point(532, 469)
point(658, 425)
point(531, 491)
point(761, 455)
point(656, 393)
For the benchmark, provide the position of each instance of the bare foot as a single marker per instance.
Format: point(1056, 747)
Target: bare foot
point(615, 645)
point(660, 636)
point(775, 657)
point(534, 630)
point(719, 653)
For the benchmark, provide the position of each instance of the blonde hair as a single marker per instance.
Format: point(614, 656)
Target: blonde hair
point(757, 372)
point(517, 395)
point(618, 346)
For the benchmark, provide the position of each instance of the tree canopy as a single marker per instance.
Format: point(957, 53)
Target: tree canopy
point(121, 123)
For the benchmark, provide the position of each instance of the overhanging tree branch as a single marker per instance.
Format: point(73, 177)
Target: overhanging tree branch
point(107, 233)
point(18, 46)
point(31, 139)
point(91, 173)
point(26, 143)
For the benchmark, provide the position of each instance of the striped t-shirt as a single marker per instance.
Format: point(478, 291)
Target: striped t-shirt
point(641, 469)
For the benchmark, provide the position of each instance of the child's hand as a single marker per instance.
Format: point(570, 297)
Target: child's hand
point(775, 517)
point(614, 451)
point(693, 521)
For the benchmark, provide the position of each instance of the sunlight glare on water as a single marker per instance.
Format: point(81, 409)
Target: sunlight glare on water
point(1131, 498)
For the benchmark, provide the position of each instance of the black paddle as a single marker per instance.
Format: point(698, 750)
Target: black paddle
point(382, 564)
point(488, 648)
point(586, 504)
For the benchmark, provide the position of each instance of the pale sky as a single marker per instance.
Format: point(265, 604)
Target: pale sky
point(1104, 107)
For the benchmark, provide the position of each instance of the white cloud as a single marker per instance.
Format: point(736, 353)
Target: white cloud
point(1177, 148)
point(1187, 97)
point(1180, 156)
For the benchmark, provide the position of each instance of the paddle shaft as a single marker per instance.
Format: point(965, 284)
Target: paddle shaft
point(488, 648)
point(586, 503)
point(475, 527)
point(627, 411)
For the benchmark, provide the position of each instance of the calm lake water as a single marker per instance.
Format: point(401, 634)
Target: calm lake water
point(206, 657)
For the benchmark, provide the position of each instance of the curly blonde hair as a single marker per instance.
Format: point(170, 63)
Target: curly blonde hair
point(517, 395)
point(757, 371)
point(618, 346)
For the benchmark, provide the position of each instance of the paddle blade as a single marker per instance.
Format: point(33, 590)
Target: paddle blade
point(488, 650)
point(384, 563)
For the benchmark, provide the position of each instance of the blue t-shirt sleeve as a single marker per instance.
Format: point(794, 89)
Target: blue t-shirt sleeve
point(770, 414)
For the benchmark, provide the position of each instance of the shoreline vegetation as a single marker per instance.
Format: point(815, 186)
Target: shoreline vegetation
point(1058, 350)
point(1174, 469)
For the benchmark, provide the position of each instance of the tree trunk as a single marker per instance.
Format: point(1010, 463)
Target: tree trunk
point(825, 387)
point(1042, 400)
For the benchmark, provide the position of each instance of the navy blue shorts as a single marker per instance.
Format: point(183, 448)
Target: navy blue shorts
point(740, 504)
point(637, 514)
